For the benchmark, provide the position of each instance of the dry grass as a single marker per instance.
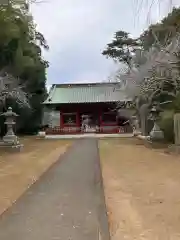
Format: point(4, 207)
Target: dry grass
point(142, 191)
point(18, 171)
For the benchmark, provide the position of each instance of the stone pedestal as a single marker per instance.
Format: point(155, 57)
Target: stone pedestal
point(156, 133)
point(10, 139)
point(177, 128)
point(11, 147)
point(147, 142)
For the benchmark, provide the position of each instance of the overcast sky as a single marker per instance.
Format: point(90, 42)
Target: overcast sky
point(78, 30)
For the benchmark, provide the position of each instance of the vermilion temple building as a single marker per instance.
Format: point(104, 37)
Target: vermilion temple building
point(68, 104)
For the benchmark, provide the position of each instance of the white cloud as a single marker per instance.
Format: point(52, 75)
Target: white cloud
point(78, 30)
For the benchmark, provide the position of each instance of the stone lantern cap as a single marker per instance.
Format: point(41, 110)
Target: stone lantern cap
point(10, 113)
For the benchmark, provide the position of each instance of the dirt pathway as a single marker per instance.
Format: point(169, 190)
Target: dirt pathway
point(62, 204)
point(142, 191)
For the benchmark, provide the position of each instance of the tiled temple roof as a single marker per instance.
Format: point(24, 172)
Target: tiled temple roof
point(86, 93)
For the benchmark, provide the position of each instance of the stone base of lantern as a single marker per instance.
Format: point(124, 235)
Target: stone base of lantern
point(156, 134)
point(9, 147)
point(11, 139)
point(147, 142)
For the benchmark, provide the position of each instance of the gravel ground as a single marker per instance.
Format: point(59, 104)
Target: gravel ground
point(142, 191)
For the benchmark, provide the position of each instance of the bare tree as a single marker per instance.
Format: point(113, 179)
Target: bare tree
point(10, 88)
point(159, 70)
point(146, 8)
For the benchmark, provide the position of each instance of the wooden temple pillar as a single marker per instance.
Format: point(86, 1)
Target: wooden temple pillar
point(100, 120)
point(61, 119)
point(78, 122)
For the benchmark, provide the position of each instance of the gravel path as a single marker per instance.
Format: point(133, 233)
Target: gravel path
point(62, 205)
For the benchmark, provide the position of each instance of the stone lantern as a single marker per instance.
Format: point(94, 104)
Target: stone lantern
point(156, 133)
point(135, 125)
point(10, 137)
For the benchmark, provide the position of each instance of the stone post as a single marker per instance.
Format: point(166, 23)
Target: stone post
point(144, 112)
point(177, 129)
point(175, 148)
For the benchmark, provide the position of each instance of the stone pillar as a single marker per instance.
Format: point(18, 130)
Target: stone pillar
point(144, 112)
point(175, 148)
point(177, 128)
